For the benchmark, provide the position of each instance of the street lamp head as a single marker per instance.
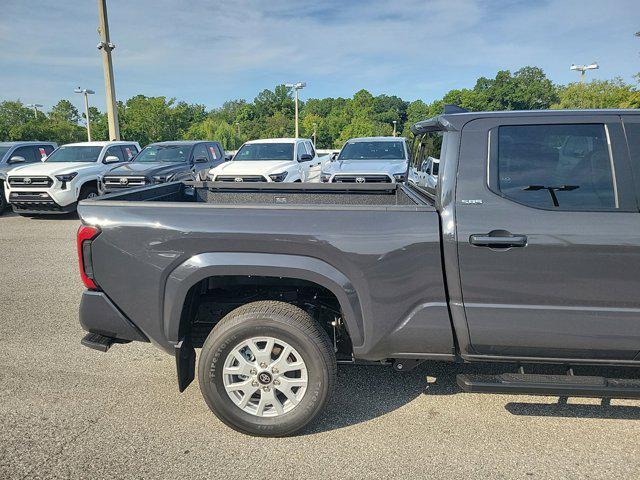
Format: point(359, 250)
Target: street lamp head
point(84, 90)
point(297, 86)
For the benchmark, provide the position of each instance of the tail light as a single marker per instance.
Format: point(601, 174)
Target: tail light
point(86, 234)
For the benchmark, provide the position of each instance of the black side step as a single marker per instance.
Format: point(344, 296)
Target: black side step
point(98, 342)
point(552, 385)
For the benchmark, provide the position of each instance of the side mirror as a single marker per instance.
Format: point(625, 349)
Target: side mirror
point(17, 159)
point(305, 157)
point(228, 157)
point(111, 159)
point(334, 156)
point(200, 160)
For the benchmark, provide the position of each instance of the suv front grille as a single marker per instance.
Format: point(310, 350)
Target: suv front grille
point(240, 178)
point(124, 182)
point(30, 182)
point(362, 179)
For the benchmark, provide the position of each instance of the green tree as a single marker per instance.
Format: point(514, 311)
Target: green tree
point(64, 111)
point(597, 94)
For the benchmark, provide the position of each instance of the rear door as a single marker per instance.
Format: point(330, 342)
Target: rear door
point(549, 238)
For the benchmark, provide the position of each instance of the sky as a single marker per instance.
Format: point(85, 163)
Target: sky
point(211, 51)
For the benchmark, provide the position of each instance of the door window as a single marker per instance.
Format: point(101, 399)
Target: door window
point(301, 150)
point(200, 151)
point(214, 151)
point(42, 151)
point(114, 151)
point(129, 151)
point(310, 149)
point(566, 167)
point(27, 153)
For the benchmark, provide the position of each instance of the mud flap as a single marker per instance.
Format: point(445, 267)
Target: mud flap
point(185, 363)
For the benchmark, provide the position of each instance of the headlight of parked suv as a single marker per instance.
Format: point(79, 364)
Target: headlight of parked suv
point(325, 177)
point(67, 177)
point(400, 177)
point(278, 177)
point(161, 178)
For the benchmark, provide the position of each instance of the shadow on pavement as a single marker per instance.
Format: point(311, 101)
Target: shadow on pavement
point(364, 393)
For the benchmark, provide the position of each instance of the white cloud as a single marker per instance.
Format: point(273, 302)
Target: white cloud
point(212, 51)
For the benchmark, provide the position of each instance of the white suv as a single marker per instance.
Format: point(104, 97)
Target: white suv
point(69, 174)
point(272, 160)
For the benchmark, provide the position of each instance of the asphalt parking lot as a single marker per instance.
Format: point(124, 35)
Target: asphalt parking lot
point(70, 412)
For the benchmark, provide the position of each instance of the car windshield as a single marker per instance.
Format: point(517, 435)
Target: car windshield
point(372, 151)
point(164, 153)
point(264, 151)
point(74, 153)
point(3, 151)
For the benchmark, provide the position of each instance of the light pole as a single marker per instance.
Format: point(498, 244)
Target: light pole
point(315, 133)
point(86, 92)
point(394, 127)
point(105, 46)
point(583, 69)
point(35, 107)
point(238, 127)
point(296, 86)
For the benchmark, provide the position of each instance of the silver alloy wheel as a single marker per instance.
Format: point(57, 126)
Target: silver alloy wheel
point(265, 376)
point(92, 195)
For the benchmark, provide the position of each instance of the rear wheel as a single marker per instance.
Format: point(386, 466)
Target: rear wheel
point(267, 369)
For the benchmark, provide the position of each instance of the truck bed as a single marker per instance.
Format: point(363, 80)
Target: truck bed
point(375, 248)
point(265, 194)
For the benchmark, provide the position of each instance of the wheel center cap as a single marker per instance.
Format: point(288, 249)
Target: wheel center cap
point(265, 378)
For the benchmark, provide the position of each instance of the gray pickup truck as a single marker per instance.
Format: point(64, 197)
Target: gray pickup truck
point(528, 254)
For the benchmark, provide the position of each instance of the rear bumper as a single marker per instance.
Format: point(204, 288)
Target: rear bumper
point(99, 315)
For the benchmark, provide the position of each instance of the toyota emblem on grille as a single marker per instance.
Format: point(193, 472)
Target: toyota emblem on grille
point(124, 181)
point(238, 179)
point(360, 180)
point(27, 181)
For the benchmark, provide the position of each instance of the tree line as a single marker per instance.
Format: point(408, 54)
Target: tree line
point(271, 113)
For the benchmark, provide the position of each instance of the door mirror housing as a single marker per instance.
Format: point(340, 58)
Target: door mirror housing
point(228, 157)
point(305, 157)
point(334, 156)
point(111, 159)
point(17, 159)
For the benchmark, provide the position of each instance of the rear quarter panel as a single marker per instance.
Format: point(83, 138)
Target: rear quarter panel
point(391, 256)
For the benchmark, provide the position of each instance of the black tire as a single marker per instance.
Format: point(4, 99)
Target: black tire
point(284, 322)
point(88, 190)
point(3, 199)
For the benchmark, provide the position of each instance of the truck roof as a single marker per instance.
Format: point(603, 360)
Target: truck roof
point(376, 139)
point(97, 144)
point(278, 140)
point(29, 142)
point(455, 121)
point(182, 142)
